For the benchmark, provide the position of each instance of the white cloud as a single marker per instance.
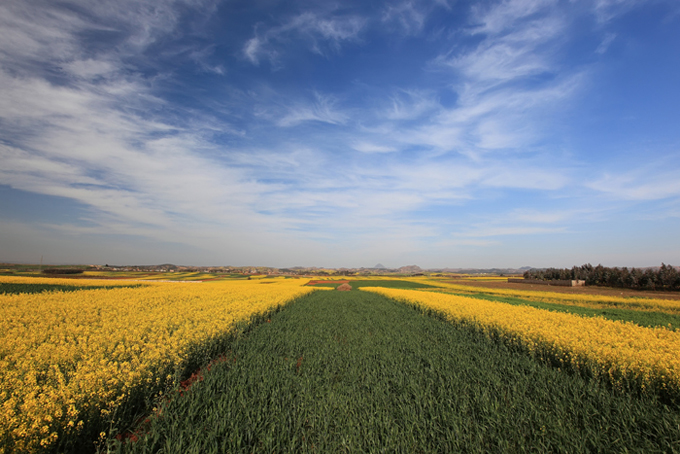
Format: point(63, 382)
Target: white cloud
point(519, 53)
point(88, 69)
point(505, 84)
point(79, 122)
point(508, 118)
point(33, 33)
point(321, 109)
point(255, 48)
point(639, 185)
point(606, 42)
point(410, 16)
point(317, 31)
point(410, 104)
point(367, 147)
point(506, 14)
point(202, 59)
point(407, 14)
point(48, 39)
point(94, 139)
point(606, 10)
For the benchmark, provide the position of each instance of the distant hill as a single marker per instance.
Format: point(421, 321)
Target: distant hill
point(378, 269)
point(410, 269)
point(482, 270)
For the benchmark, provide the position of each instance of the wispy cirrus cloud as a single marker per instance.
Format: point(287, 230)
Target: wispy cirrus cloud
point(653, 181)
point(504, 84)
point(495, 18)
point(522, 53)
point(410, 16)
point(77, 135)
point(411, 104)
point(605, 10)
point(368, 147)
point(285, 111)
point(36, 34)
point(77, 144)
point(322, 109)
point(94, 112)
point(319, 32)
point(606, 42)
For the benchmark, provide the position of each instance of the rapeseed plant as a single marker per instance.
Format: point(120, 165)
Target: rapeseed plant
point(67, 358)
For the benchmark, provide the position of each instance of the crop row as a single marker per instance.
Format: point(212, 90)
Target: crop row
point(71, 361)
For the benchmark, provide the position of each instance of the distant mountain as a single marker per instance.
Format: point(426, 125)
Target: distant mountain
point(482, 270)
point(379, 266)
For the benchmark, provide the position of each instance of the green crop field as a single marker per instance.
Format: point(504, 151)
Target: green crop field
point(357, 372)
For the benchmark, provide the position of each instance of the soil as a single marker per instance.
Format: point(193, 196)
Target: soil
point(344, 288)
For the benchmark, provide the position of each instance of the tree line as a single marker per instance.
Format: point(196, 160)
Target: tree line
point(665, 277)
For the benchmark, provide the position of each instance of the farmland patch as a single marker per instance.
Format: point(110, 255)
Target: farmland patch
point(386, 283)
point(358, 372)
point(40, 288)
point(642, 318)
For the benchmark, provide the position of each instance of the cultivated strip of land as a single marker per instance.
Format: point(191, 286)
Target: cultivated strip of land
point(358, 372)
point(642, 318)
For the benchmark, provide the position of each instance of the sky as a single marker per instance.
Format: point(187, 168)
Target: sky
point(439, 133)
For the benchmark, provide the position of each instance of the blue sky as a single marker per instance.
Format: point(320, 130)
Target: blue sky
point(340, 134)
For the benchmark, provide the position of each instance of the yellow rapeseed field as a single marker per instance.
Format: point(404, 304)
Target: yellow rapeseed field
point(594, 301)
point(624, 353)
point(67, 282)
point(67, 357)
